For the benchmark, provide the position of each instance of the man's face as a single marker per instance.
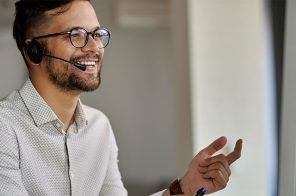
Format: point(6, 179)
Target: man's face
point(65, 75)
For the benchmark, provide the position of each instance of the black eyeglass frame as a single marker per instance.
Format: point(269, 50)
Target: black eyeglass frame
point(75, 28)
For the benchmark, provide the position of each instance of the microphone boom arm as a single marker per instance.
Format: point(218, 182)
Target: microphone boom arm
point(77, 65)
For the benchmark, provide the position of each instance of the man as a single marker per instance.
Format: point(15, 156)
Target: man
point(52, 144)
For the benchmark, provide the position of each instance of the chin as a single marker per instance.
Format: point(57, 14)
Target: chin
point(83, 84)
point(91, 85)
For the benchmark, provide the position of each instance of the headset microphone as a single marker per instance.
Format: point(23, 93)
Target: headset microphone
point(35, 53)
point(78, 65)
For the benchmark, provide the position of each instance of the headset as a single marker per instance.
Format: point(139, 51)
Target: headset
point(35, 53)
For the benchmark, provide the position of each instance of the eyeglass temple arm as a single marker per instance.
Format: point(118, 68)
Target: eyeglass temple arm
point(50, 35)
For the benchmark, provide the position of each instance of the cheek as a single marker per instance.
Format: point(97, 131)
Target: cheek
point(62, 48)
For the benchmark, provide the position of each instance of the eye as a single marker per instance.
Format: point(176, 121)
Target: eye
point(97, 34)
point(100, 33)
point(78, 37)
point(78, 33)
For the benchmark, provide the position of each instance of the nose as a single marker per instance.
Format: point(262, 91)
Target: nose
point(91, 46)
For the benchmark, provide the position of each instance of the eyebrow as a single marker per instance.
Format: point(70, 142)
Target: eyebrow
point(70, 28)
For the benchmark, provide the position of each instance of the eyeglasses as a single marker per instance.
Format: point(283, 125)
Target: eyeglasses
point(79, 36)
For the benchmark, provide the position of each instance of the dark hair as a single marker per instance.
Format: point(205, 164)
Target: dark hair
point(29, 14)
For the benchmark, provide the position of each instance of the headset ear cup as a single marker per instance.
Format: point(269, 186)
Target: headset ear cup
point(35, 51)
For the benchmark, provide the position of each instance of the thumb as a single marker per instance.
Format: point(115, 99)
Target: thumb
point(236, 153)
point(214, 146)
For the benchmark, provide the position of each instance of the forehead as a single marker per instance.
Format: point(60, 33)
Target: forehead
point(78, 13)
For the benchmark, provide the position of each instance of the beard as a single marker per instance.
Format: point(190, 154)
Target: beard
point(69, 78)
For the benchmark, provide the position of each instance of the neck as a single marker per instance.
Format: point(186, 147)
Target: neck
point(63, 103)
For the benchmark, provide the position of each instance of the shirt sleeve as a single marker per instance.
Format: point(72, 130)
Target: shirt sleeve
point(10, 177)
point(113, 183)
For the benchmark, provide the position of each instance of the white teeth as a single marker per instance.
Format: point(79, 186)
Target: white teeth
point(88, 63)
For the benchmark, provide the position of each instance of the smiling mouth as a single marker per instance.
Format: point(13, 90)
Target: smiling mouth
point(88, 63)
point(90, 66)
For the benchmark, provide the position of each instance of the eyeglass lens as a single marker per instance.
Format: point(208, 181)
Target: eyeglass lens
point(79, 37)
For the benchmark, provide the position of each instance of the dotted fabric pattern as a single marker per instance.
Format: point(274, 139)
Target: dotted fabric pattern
point(38, 158)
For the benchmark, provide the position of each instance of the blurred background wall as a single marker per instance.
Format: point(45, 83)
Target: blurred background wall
point(178, 74)
point(287, 177)
point(232, 82)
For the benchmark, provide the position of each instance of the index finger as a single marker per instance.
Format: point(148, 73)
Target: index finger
point(214, 146)
point(236, 153)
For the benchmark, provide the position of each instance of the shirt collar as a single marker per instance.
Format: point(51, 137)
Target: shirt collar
point(40, 110)
point(80, 117)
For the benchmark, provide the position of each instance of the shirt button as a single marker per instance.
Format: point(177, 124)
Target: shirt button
point(72, 175)
point(58, 125)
